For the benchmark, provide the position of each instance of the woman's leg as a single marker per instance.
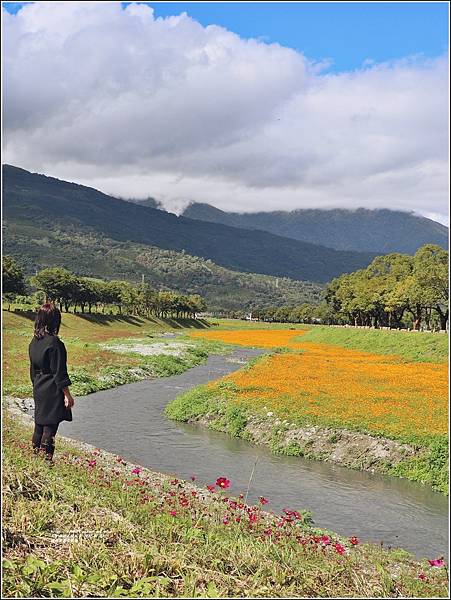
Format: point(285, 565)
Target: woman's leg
point(37, 437)
point(48, 440)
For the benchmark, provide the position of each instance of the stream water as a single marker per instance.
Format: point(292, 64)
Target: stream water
point(129, 421)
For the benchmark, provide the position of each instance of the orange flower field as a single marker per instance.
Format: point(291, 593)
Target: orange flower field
point(321, 383)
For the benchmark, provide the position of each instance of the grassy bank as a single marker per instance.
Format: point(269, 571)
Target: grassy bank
point(93, 364)
point(413, 346)
point(94, 526)
point(336, 389)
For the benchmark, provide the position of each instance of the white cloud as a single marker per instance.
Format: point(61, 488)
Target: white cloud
point(139, 106)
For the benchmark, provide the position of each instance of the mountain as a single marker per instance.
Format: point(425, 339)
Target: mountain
point(38, 201)
point(362, 230)
point(90, 254)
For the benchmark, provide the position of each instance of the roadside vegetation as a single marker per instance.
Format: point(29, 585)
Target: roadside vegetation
point(95, 526)
point(304, 382)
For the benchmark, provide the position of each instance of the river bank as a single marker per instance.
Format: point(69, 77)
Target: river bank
point(97, 525)
point(380, 412)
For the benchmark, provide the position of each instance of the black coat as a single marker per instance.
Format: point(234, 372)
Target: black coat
point(48, 372)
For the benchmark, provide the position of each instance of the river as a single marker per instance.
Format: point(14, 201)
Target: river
point(129, 420)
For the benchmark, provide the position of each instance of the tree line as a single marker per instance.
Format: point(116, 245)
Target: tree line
point(70, 291)
point(395, 290)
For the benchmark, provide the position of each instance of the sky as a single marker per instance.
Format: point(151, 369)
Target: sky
point(246, 106)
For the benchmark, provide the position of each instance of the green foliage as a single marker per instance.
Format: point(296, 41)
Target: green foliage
point(382, 295)
point(12, 278)
point(236, 420)
point(393, 285)
point(61, 286)
point(430, 468)
point(192, 404)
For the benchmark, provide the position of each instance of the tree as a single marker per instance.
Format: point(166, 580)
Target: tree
point(58, 285)
point(384, 275)
point(12, 279)
point(431, 273)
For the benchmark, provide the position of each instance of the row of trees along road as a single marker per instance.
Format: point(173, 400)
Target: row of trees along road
point(70, 291)
point(393, 285)
point(395, 290)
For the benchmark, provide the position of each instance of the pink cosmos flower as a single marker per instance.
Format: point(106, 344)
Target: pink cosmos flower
point(339, 548)
point(223, 482)
point(92, 463)
point(437, 562)
point(173, 513)
point(226, 520)
point(292, 514)
point(136, 471)
point(353, 540)
point(193, 478)
point(422, 576)
point(263, 500)
point(253, 517)
point(325, 539)
point(211, 488)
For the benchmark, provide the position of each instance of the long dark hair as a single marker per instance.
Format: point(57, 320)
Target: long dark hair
point(48, 320)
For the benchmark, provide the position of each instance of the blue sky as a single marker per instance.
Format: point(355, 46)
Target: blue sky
point(346, 33)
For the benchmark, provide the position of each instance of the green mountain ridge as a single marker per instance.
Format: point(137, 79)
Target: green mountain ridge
point(363, 230)
point(52, 205)
point(88, 254)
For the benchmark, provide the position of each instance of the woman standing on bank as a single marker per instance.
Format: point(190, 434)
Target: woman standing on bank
point(48, 372)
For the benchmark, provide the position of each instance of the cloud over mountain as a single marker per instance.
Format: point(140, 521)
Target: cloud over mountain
point(140, 106)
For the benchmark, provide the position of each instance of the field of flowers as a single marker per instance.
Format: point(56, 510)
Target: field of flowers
point(325, 384)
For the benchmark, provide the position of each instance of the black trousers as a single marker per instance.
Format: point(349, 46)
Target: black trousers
point(44, 437)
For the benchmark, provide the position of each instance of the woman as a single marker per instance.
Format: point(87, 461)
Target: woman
point(48, 372)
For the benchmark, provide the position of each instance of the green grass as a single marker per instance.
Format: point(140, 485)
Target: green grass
point(91, 366)
point(76, 530)
point(419, 346)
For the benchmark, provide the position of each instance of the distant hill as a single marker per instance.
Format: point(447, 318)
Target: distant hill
point(37, 201)
point(90, 254)
point(381, 231)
